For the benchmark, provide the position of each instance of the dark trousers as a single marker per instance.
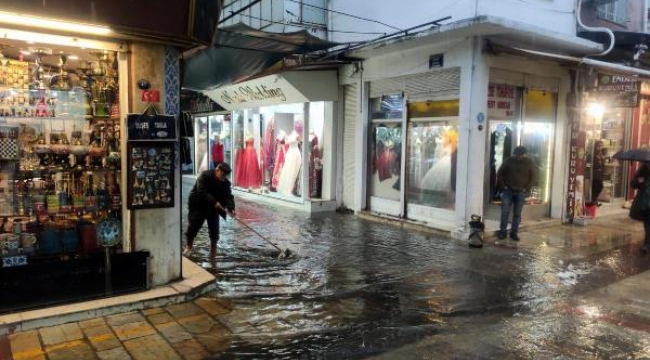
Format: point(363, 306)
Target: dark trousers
point(514, 199)
point(195, 220)
point(596, 189)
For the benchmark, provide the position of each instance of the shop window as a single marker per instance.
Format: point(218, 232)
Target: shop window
point(201, 144)
point(386, 147)
point(432, 143)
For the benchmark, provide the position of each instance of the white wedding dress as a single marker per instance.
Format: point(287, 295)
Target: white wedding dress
point(291, 168)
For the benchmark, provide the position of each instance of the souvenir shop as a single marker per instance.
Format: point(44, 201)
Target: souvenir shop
point(280, 137)
point(61, 103)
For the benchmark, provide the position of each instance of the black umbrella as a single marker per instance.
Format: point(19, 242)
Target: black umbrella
point(640, 154)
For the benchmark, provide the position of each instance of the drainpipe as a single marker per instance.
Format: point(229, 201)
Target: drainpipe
point(595, 29)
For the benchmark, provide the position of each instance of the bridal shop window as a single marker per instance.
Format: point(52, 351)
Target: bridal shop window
point(432, 147)
point(268, 150)
point(386, 147)
point(201, 144)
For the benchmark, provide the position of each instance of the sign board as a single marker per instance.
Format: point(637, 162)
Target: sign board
point(502, 101)
point(150, 174)
point(151, 127)
point(621, 91)
point(268, 90)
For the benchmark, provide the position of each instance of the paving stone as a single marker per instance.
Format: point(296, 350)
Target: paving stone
point(148, 312)
point(92, 323)
point(191, 350)
point(133, 330)
point(198, 324)
point(26, 345)
point(72, 350)
point(102, 337)
point(160, 318)
point(121, 319)
point(61, 333)
point(179, 311)
point(215, 341)
point(173, 332)
point(114, 354)
point(152, 347)
point(212, 306)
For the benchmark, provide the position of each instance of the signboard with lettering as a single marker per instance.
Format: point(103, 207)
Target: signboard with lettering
point(502, 101)
point(620, 91)
point(150, 174)
point(151, 127)
point(269, 90)
point(575, 193)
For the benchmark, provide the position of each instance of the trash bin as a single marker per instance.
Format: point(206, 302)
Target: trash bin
point(476, 230)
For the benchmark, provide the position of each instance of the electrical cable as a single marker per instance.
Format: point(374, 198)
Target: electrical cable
point(309, 26)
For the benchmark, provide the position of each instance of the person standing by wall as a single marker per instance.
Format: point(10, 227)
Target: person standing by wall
point(210, 198)
point(516, 176)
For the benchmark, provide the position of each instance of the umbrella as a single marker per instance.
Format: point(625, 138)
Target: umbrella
point(640, 154)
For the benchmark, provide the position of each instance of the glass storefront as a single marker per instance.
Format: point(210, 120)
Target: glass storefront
point(522, 117)
point(270, 144)
point(431, 138)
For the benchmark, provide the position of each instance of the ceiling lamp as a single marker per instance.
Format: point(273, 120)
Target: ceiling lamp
point(44, 23)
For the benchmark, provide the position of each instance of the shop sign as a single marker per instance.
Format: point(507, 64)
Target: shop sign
point(203, 104)
point(621, 91)
point(575, 196)
point(502, 101)
point(268, 90)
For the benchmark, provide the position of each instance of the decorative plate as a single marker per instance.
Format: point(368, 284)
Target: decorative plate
point(109, 232)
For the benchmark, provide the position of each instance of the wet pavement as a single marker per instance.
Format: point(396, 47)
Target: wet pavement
point(357, 289)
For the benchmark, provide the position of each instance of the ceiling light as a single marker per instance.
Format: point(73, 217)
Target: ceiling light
point(73, 57)
point(43, 23)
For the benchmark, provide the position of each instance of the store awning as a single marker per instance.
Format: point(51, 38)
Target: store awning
point(240, 52)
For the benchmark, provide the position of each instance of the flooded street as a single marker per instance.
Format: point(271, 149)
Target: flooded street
point(354, 289)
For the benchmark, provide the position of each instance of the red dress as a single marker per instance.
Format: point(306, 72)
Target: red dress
point(248, 174)
point(386, 163)
point(217, 153)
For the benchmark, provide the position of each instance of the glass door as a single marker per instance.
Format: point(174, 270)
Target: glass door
point(385, 155)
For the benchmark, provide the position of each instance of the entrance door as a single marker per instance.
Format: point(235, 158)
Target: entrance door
point(385, 179)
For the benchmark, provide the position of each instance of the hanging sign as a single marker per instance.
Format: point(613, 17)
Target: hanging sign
point(148, 126)
point(151, 174)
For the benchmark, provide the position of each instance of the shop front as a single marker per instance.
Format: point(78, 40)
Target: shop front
point(70, 178)
point(280, 137)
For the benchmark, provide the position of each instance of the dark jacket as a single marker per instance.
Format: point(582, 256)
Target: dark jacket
point(517, 173)
point(208, 190)
point(642, 172)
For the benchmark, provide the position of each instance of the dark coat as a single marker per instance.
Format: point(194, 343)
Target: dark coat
point(207, 191)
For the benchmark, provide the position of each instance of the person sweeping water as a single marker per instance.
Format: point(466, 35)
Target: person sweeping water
point(210, 198)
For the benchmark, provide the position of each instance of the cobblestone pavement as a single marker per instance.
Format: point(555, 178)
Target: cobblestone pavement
point(185, 331)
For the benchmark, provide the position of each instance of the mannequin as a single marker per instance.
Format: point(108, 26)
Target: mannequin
point(217, 151)
point(292, 164)
point(315, 166)
point(280, 152)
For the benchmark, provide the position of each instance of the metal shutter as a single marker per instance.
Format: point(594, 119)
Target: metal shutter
point(352, 113)
point(423, 86)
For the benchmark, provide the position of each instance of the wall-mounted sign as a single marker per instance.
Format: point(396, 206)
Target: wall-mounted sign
point(150, 96)
point(151, 126)
point(269, 90)
point(620, 91)
point(502, 101)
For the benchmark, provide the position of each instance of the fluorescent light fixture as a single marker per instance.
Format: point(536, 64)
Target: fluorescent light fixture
point(73, 57)
point(43, 23)
point(72, 41)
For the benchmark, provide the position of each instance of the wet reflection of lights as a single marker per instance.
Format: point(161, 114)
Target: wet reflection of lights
point(591, 311)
